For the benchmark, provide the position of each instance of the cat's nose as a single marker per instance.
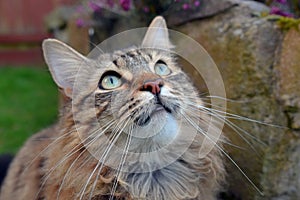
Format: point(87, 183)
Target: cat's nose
point(153, 86)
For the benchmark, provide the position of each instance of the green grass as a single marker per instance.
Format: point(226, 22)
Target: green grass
point(28, 103)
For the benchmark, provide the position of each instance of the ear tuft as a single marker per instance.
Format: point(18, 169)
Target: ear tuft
point(63, 63)
point(157, 35)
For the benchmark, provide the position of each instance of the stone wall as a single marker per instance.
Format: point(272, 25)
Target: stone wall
point(259, 64)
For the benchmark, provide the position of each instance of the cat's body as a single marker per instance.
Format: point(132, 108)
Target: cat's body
point(142, 102)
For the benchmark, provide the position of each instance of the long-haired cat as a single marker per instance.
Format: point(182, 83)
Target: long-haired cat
point(126, 131)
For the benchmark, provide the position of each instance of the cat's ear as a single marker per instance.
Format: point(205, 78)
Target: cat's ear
point(63, 63)
point(157, 35)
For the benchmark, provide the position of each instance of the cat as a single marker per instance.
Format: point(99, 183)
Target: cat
point(125, 131)
point(5, 160)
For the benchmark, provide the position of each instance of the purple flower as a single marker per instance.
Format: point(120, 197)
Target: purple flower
point(276, 11)
point(125, 4)
point(185, 6)
point(281, 1)
point(110, 3)
point(79, 9)
point(146, 9)
point(94, 6)
point(80, 22)
point(197, 3)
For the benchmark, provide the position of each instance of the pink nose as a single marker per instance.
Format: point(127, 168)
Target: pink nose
point(152, 86)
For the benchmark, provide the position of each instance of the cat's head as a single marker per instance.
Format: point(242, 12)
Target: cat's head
point(139, 90)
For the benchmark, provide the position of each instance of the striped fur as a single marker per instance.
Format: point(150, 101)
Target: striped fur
point(62, 162)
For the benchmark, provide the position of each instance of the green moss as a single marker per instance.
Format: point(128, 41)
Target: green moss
point(284, 23)
point(287, 23)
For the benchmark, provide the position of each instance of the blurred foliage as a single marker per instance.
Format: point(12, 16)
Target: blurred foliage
point(28, 103)
point(145, 10)
point(286, 23)
point(286, 8)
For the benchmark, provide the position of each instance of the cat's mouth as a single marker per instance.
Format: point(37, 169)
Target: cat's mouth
point(144, 120)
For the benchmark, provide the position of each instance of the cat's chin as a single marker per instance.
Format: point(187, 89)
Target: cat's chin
point(161, 128)
point(145, 120)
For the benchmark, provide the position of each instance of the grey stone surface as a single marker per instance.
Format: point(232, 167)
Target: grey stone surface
point(175, 15)
point(255, 59)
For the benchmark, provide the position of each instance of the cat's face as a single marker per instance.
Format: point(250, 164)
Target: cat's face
point(140, 93)
point(144, 86)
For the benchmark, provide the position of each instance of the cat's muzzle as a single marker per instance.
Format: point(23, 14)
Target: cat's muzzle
point(144, 119)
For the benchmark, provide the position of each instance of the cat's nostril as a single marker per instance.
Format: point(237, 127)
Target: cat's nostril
point(152, 86)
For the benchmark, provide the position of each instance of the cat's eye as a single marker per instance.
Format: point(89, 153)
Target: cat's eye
point(161, 69)
point(110, 80)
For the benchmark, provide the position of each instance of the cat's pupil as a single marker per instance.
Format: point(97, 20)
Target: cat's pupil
point(111, 80)
point(161, 68)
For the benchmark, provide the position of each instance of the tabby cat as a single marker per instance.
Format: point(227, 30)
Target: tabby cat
point(125, 132)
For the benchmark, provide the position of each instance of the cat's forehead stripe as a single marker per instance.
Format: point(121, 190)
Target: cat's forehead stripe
point(133, 53)
point(120, 62)
point(130, 59)
point(116, 63)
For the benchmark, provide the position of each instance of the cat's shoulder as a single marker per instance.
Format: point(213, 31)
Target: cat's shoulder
point(27, 162)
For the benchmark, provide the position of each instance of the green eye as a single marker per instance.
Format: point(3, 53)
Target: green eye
point(161, 69)
point(110, 81)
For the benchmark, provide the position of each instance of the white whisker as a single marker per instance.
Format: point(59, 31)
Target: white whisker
point(47, 147)
point(122, 161)
point(101, 161)
point(108, 125)
point(72, 152)
point(227, 155)
point(230, 124)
